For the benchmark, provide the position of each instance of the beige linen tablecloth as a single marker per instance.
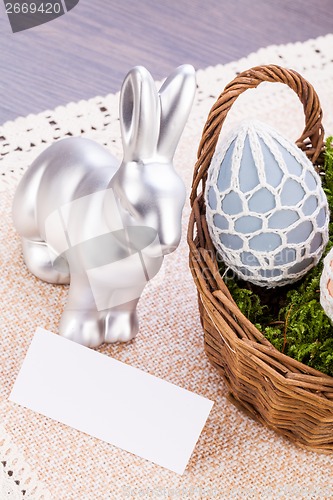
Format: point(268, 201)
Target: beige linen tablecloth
point(234, 457)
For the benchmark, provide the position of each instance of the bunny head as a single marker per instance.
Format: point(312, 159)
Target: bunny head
point(146, 184)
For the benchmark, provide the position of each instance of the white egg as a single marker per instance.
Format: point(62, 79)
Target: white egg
point(326, 285)
point(266, 210)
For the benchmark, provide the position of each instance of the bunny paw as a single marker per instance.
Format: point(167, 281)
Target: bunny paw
point(121, 326)
point(43, 263)
point(84, 327)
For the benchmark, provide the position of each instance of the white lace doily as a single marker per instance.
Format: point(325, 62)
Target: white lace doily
point(17, 480)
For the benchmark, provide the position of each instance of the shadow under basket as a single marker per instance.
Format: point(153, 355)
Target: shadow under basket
point(278, 391)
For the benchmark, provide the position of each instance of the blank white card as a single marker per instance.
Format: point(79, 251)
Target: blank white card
point(110, 400)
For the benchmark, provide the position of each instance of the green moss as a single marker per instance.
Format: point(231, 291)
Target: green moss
point(291, 317)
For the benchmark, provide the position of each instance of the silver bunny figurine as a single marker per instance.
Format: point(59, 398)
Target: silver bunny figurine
point(105, 226)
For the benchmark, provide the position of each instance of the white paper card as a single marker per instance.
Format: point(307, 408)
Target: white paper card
point(110, 400)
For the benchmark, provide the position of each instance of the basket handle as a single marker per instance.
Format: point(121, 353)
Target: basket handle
point(311, 140)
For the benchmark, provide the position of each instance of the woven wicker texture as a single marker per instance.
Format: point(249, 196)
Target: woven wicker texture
point(291, 398)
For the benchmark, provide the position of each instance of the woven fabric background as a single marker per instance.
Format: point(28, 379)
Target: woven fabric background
point(235, 457)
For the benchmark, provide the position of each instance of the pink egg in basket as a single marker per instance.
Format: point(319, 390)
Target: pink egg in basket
point(326, 285)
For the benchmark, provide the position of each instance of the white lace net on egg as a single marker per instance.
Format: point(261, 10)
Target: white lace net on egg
point(268, 220)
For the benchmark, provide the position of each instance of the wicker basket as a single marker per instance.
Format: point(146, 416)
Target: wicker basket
point(282, 393)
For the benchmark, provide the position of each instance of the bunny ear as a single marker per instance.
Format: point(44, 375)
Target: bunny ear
point(176, 98)
point(139, 115)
